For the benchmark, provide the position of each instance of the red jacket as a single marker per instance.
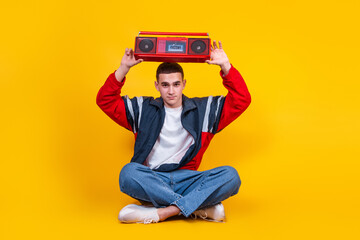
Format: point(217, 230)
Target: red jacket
point(201, 117)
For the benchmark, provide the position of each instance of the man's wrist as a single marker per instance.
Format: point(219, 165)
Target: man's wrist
point(225, 68)
point(121, 72)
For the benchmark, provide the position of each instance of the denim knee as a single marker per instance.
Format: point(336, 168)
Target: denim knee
point(127, 175)
point(234, 179)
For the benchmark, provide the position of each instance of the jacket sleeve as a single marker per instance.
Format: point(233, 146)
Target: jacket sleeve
point(110, 101)
point(237, 99)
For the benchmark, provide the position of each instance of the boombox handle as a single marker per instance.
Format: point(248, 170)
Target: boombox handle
point(173, 33)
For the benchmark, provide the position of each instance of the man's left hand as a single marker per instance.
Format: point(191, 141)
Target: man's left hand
point(219, 57)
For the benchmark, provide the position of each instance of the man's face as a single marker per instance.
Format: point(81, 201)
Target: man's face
point(170, 86)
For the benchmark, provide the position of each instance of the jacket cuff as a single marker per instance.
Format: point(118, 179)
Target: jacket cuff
point(113, 79)
point(230, 73)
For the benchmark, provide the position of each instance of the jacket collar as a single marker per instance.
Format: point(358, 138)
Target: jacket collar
point(188, 104)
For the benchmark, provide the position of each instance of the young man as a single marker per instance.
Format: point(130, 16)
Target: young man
point(172, 133)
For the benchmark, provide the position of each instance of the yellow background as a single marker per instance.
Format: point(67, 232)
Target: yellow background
point(296, 148)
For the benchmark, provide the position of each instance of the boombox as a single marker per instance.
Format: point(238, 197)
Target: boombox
point(193, 48)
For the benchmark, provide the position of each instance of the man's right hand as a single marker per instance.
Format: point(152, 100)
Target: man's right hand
point(127, 62)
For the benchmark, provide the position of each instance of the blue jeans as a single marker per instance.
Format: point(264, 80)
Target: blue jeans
point(187, 189)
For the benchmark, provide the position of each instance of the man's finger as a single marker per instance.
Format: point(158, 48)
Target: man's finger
point(220, 45)
point(131, 52)
point(214, 43)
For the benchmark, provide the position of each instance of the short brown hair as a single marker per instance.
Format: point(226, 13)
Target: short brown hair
point(169, 67)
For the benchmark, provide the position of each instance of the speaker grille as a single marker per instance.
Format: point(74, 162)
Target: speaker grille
point(146, 45)
point(198, 46)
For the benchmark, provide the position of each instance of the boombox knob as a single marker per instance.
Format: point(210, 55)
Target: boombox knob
point(146, 45)
point(198, 46)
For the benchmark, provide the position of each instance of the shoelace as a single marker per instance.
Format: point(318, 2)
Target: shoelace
point(148, 220)
point(194, 216)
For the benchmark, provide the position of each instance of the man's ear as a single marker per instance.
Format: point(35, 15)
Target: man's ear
point(157, 86)
point(184, 81)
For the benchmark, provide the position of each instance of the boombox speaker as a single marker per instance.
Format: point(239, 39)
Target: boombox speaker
point(185, 47)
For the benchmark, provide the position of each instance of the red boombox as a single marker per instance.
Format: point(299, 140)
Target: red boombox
point(172, 49)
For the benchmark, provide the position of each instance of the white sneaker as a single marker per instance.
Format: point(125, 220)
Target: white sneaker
point(133, 213)
point(215, 213)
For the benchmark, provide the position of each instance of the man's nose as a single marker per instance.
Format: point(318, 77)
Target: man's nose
point(171, 89)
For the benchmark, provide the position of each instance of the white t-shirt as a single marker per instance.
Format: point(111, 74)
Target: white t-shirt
point(173, 141)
